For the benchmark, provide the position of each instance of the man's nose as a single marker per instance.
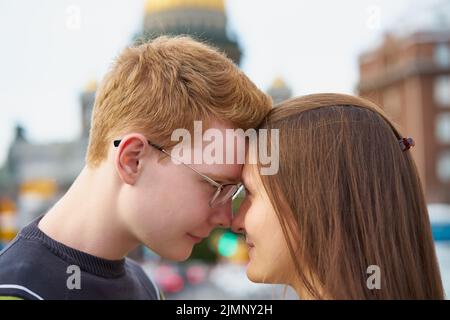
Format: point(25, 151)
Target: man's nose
point(222, 215)
point(237, 224)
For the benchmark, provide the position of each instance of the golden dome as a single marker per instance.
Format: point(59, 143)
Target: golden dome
point(90, 86)
point(278, 82)
point(162, 5)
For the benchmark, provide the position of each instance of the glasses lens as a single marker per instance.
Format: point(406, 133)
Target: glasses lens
point(225, 195)
point(239, 190)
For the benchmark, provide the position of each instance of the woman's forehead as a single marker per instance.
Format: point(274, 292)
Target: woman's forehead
point(250, 174)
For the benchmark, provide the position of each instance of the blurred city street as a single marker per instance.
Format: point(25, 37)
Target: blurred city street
point(223, 281)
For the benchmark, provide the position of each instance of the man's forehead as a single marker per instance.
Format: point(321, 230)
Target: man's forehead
point(219, 143)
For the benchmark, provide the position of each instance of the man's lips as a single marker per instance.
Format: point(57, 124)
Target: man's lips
point(196, 239)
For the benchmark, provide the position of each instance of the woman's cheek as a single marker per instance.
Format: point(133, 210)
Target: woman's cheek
point(255, 219)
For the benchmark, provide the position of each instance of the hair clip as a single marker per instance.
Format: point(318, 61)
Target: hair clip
point(406, 143)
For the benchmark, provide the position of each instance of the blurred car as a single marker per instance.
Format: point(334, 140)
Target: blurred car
point(168, 279)
point(196, 274)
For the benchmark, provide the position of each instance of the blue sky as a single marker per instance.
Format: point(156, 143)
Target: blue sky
point(48, 54)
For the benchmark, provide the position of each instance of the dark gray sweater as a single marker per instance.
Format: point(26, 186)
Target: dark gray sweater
point(34, 266)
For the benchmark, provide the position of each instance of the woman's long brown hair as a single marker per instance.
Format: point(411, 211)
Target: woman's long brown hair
point(355, 200)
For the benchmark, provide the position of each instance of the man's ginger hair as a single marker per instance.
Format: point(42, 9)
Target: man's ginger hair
point(166, 84)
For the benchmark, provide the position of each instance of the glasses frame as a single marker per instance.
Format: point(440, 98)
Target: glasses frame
point(212, 182)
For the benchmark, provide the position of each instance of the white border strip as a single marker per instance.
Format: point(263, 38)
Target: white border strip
point(14, 286)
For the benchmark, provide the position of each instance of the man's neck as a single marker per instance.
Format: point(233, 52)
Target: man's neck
point(86, 218)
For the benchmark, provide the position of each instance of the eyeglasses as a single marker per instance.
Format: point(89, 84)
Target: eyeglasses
point(224, 191)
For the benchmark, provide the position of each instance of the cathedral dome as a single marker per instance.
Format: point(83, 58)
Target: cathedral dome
point(204, 20)
point(153, 6)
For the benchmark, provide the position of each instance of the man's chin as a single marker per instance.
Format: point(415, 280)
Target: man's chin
point(180, 255)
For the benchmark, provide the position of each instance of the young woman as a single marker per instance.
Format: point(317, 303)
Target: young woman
point(345, 216)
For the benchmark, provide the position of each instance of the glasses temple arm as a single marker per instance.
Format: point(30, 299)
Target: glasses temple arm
point(214, 183)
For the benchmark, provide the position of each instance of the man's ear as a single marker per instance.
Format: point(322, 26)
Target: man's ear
point(129, 155)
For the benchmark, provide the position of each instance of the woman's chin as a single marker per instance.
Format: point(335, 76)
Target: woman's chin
point(252, 277)
point(254, 274)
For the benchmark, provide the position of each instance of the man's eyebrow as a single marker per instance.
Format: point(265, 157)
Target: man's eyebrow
point(222, 178)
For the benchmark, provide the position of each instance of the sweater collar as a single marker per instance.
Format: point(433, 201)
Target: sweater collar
point(87, 262)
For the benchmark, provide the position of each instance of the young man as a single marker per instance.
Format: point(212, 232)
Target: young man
point(131, 190)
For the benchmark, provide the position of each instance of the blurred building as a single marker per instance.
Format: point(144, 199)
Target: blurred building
point(40, 165)
point(410, 78)
point(279, 90)
point(8, 221)
point(204, 20)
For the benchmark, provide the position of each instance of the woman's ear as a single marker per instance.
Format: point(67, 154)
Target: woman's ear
point(129, 155)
